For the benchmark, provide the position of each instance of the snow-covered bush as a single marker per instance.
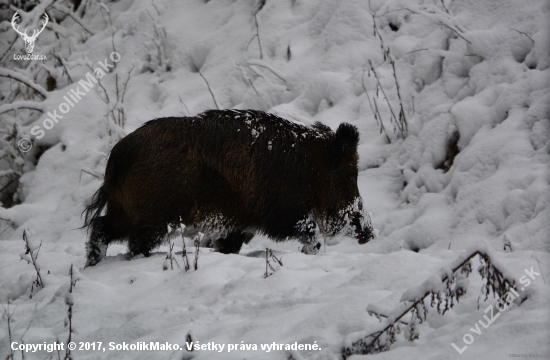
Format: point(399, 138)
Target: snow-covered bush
point(440, 291)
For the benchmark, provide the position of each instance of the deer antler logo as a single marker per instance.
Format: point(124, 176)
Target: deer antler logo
point(29, 40)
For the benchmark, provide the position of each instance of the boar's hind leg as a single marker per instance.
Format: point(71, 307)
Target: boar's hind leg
point(142, 240)
point(233, 242)
point(100, 237)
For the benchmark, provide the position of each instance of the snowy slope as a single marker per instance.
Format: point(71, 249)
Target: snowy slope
point(488, 79)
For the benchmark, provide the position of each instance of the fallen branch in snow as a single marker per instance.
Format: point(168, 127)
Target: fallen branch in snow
point(18, 105)
point(269, 255)
point(24, 80)
point(523, 33)
point(265, 66)
point(444, 291)
point(31, 257)
point(377, 312)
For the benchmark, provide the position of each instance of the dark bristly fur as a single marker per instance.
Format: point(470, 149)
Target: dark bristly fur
point(232, 173)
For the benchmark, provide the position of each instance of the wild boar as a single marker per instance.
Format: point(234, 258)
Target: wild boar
point(231, 174)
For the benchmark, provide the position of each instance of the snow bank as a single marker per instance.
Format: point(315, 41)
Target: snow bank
point(476, 70)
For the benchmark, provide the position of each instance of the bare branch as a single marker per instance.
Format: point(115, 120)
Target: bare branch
point(32, 258)
point(90, 172)
point(258, 35)
point(107, 100)
point(9, 48)
point(64, 66)
point(74, 17)
point(397, 122)
point(209, 89)
point(522, 33)
point(455, 31)
point(259, 64)
point(410, 52)
point(126, 84)
point(253, 87)
point(184, 257)
point(250, 42)
point(495, 282)
point(446, 17)
point(376, 112)
point(402, 117)
point(30, 105)
point(183, 105)
point(22, 79)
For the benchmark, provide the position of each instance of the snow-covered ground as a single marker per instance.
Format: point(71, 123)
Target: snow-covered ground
point(479, 68)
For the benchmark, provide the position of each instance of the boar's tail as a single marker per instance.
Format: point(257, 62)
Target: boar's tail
point(94, 207)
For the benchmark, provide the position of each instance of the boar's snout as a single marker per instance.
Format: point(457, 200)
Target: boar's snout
point(364, 237)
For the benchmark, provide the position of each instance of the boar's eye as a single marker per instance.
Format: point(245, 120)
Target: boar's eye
point(352, 176)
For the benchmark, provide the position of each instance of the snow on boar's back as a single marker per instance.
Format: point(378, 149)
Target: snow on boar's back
point(230, 173)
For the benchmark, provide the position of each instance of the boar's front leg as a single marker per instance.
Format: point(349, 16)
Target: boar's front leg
point(307, 232)
point(233, 242)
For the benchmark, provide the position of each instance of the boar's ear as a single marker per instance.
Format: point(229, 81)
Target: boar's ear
point(347, 139)
point(322, 127)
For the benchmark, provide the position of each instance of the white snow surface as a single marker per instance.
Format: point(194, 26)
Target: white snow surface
point(491, 84)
